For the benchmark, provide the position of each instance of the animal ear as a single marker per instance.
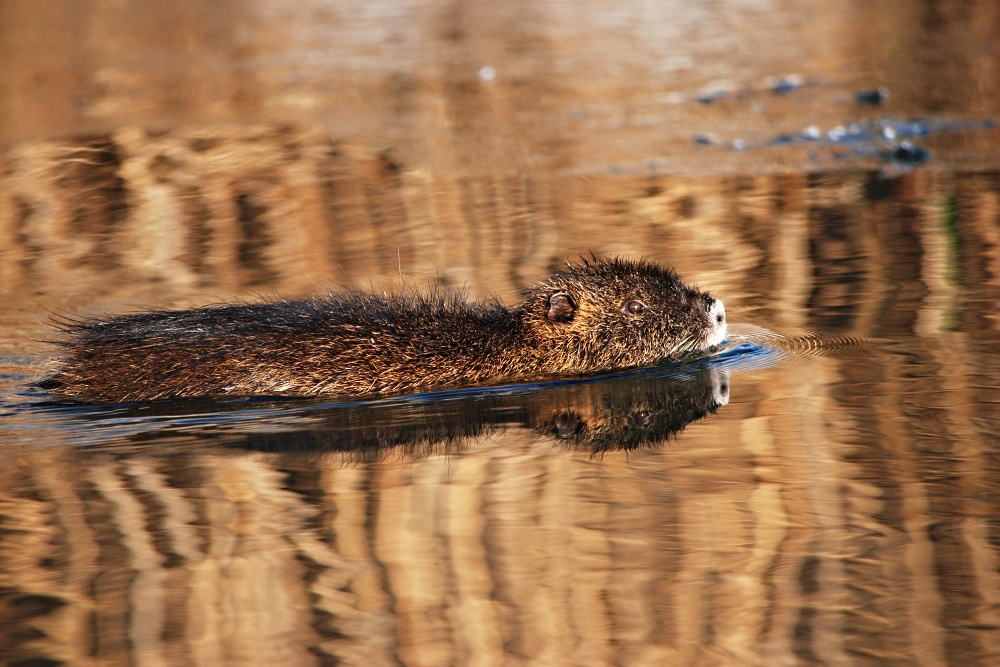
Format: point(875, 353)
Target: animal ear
point(561, 308)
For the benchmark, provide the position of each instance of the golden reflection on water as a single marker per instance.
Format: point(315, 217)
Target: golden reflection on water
point(839, 507)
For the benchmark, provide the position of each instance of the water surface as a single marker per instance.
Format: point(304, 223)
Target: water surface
point(821, 490)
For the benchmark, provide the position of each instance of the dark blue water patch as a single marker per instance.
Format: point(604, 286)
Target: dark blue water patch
point(891, 140)
point(18, 359)
point(712, 95)
point(18, 370)
point(908, 153)
point(872, 97)
point(782, 85)
point(749, 356)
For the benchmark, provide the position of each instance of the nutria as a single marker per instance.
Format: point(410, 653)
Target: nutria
point(597, 316)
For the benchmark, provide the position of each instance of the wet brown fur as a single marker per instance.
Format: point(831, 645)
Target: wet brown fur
point(357, 343)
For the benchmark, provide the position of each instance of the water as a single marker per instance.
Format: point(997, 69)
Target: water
point(821, 490)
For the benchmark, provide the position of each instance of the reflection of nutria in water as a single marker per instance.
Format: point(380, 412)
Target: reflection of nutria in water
point(628, 410)
point(609, 414)
point(600, 315)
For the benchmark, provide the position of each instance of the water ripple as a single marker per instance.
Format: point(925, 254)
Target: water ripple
point(749, 346)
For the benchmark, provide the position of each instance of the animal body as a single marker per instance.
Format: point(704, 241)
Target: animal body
point(596, 316)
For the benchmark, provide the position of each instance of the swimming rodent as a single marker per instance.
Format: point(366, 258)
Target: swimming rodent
point(596, 316)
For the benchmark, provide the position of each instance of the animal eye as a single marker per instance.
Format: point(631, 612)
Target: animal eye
point(633, 307)
point(641, 418)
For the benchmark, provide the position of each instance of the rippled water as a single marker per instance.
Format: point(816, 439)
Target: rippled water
point(822, 489)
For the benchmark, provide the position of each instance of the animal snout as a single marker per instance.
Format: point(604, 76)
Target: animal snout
point(717, 323)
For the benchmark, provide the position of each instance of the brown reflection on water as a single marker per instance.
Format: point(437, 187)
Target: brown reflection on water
point(840, 510)
point(514, 552)
point(818, 529)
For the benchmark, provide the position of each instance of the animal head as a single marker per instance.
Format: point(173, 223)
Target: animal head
point(617, 313)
